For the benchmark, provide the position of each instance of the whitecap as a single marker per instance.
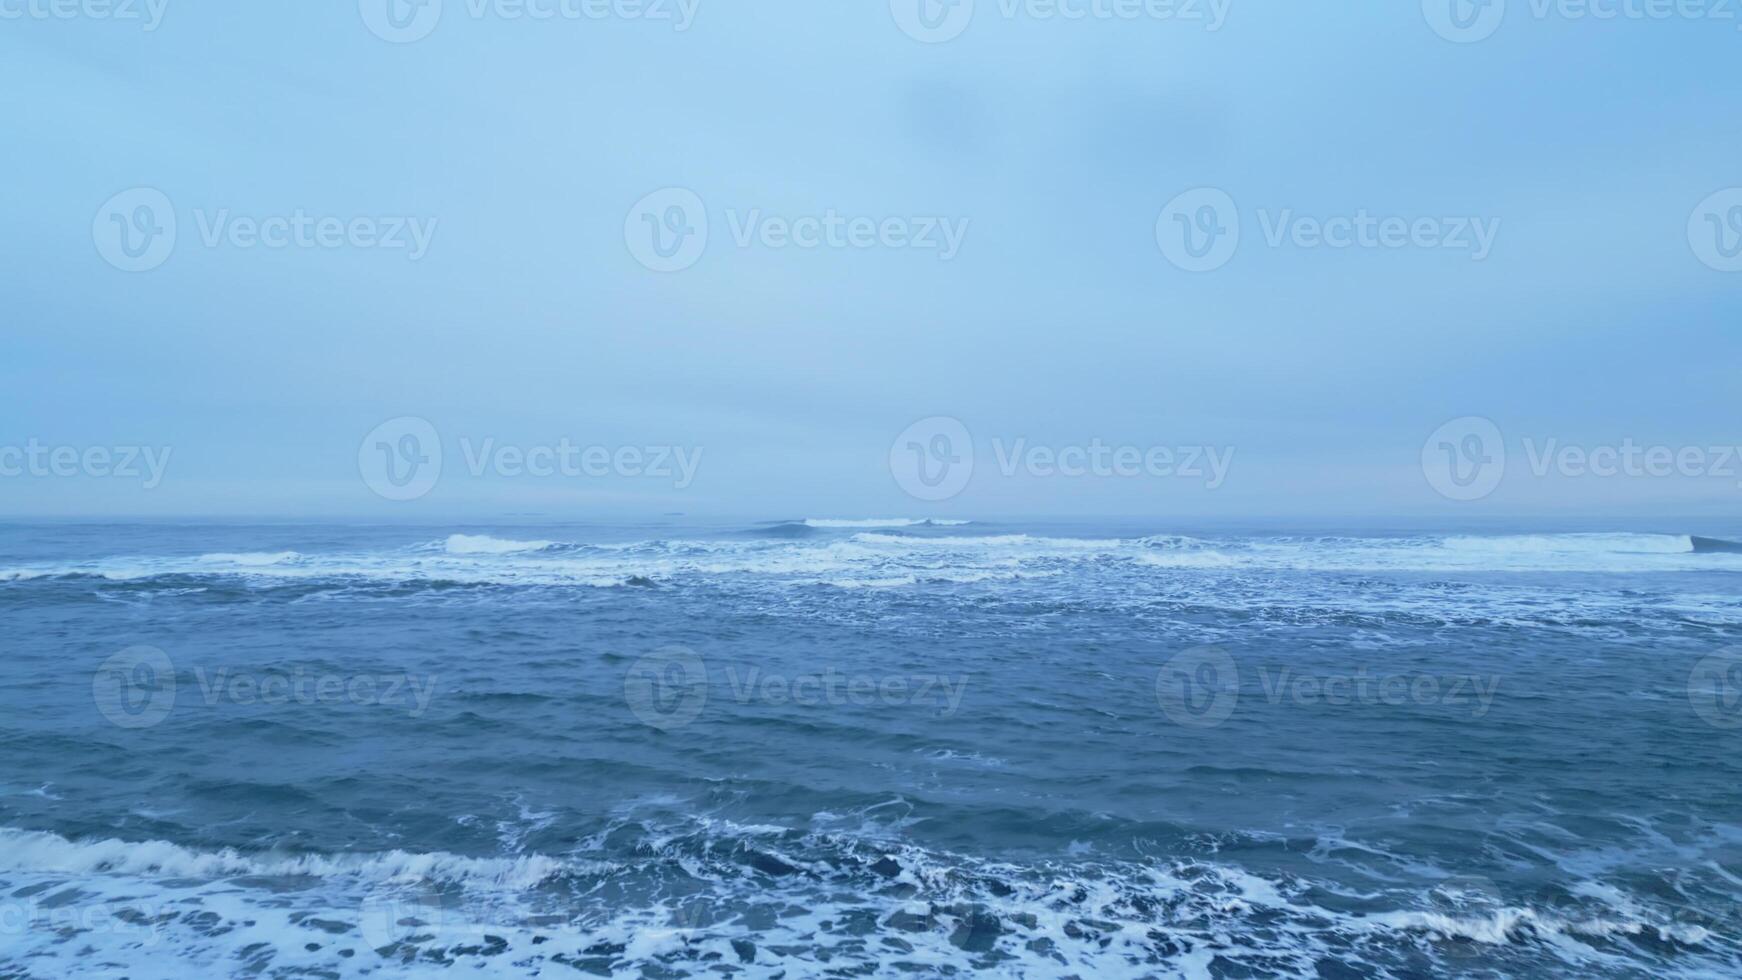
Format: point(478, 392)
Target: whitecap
point(871, 522)
point(483, 544)
point(251, 559)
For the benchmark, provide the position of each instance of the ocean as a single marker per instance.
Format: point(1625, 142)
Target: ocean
point(869, 748)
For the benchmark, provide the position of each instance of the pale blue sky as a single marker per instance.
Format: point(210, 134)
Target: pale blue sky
point(1059, 321)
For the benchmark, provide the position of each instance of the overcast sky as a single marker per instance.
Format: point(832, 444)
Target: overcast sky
point(778, 234)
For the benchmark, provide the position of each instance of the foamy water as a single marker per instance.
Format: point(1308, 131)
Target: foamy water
point(875, 746)
point(486, 559)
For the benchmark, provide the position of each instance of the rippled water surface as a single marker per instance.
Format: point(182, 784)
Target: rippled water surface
point(868, 748)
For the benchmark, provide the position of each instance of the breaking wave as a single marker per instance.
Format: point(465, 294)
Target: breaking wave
point(483, 544)
point(764, 899)
point(832, 523)
point(891, 554)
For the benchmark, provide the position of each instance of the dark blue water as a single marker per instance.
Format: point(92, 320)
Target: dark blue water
point(899, 750)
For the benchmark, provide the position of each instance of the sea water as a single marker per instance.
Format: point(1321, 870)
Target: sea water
point(851, 746)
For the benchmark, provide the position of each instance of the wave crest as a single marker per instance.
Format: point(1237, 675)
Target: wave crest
point(872, 522)
point(484, 544)
point(39, 852)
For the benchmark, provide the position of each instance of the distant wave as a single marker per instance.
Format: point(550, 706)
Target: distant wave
point(1174, 541)
point(252, 559)
point(994, 541)
point(1566, 544)
point(1715, 546)
point(483, 544)
point(822, 522)
point(892, 557)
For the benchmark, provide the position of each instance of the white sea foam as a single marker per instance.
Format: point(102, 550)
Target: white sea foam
point(40, 852)
point(483, 544)
point(824, 522)
point(989, 541)
point(152, 908)
point(1573, 544)
point(251, 559)
point(1507, 925)
point(884, 558)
